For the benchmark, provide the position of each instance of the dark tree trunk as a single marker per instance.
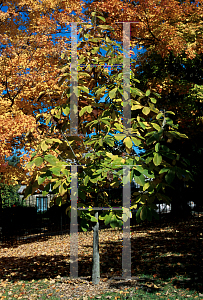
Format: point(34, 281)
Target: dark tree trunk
point(179, 204)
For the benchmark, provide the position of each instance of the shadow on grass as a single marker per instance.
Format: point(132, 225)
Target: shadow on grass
point(165, 252)
point(32, 236)
point(171, 253)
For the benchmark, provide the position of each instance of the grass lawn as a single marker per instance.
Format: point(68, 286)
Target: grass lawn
point(167, 263)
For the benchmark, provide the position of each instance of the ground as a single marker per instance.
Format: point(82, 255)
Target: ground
point(167, 263)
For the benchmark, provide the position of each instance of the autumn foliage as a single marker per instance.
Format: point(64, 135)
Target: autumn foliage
point(158, 26)
point(29, 60)
point(168, 36)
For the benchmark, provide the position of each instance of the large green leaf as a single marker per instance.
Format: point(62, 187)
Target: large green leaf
point(85, 74)
point(89, 109)
point(112, 93)
point(157, 147)
point(155, 137)
point(138, 215)
point(51, 159)
point(170, 112)
point(41, 179)
point(38, 161)
point(101, 18)
point(66, 110)
point(139, 179)
point(33, 154)
point(56, 171)
point(108, 218)
point(114, 222)
point(178, 134)
point(94, 180)
point(157, 159)
point(148, 159)
point(93, 219)
point(103, 215)
point(170, 176)
point(143, 213)
point(142, 125)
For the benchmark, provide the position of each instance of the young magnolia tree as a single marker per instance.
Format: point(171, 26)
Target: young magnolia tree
point(150, 131)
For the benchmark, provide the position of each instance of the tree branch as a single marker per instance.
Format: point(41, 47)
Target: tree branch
point(164, 121)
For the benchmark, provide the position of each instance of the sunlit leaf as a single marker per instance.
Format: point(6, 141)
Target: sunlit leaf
point(157, 159)
point(146, 110)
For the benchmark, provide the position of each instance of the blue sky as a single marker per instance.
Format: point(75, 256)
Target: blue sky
point(67, 32)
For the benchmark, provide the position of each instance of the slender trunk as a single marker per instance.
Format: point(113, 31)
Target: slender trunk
point(96, 263)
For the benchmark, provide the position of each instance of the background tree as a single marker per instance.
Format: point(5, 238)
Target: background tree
point(9, 195)
point(30, 50)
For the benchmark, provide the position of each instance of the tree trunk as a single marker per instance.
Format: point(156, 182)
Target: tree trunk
point(96, 263)
point(179, 205)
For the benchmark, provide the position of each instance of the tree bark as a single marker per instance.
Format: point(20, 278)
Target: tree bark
point(96, 262)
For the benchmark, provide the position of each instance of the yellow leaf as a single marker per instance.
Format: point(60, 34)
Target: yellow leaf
point(134, 107)
point(128, 142)
point(146, 110)
point(44, 146)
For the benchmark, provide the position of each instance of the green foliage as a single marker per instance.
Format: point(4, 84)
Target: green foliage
point(146, 213)
point(151, 128)
point(9, 195)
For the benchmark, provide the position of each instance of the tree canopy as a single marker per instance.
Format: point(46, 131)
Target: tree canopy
point(29, 59)
point(31, 56)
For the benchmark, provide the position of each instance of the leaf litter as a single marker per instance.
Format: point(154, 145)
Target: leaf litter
point(167, 254)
